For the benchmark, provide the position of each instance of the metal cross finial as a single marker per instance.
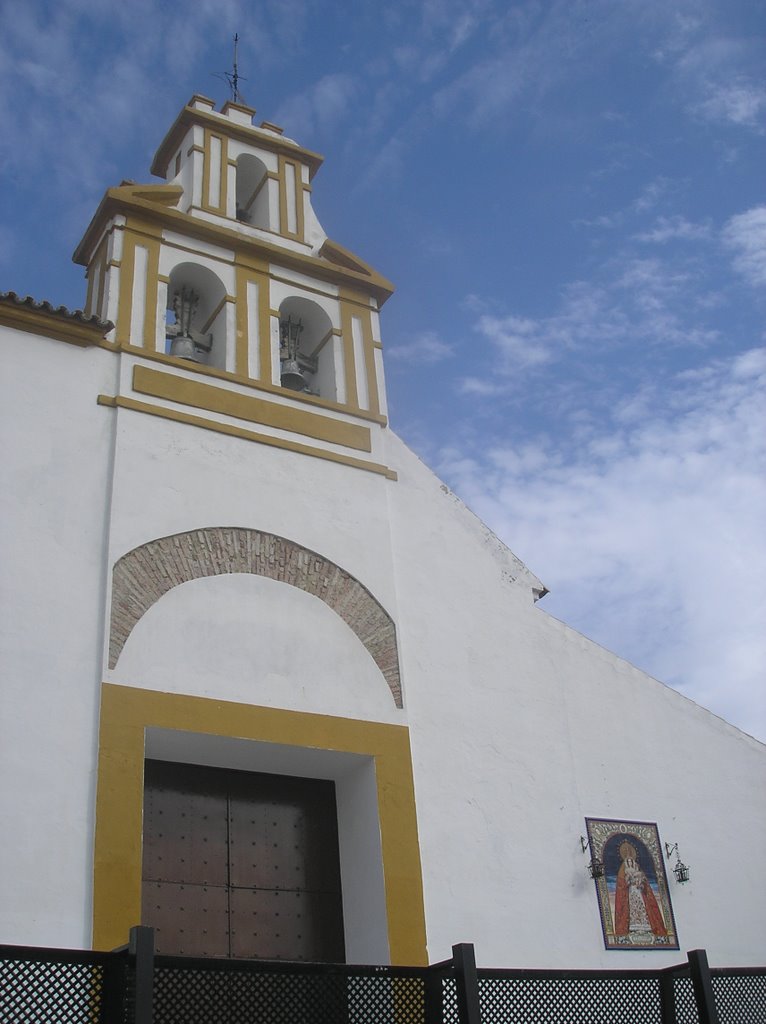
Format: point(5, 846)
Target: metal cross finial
point(233, 77)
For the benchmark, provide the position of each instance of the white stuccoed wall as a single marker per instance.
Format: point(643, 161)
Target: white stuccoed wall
point(53, 499)
point(519, 726)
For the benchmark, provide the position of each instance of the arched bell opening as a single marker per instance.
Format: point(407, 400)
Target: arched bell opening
point(308, 351)
point(196, 316)
point(252, 191)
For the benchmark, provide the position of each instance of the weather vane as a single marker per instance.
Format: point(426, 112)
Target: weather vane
point(233, 77)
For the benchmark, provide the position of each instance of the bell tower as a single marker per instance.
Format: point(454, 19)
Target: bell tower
point(227, 295)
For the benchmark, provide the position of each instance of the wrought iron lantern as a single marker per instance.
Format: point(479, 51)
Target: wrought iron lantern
point(595, 864)
point(680, 870)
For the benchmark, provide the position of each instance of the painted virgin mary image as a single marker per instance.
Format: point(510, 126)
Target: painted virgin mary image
point(636, 910)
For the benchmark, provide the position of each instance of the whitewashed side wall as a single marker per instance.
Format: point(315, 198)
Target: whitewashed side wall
point(520, 728)
point(53, 498)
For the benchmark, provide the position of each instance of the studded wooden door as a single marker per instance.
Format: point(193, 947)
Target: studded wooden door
point(241, 864)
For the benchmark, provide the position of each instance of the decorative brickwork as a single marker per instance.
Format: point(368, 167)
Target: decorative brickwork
point(144, 574)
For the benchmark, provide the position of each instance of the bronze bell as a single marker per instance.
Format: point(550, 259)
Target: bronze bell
point(292, 377)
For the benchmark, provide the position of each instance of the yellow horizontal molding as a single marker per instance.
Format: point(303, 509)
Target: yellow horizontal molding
point(250, 382)
point(118, 402)
point(173, 388)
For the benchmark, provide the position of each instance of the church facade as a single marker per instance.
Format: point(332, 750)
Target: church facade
point(269, 686)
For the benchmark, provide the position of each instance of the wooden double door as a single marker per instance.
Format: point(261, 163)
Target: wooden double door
point(241, 864)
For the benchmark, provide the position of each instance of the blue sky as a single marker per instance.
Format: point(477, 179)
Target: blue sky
point(570, 199)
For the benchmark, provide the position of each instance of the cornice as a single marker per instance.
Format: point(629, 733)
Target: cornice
point(133, 198)
point(244, 133)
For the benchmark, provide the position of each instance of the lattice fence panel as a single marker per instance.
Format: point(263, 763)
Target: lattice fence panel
point(686, 1004)
point(450, 1014)
point(564, 1000)
point(740, 998)
point(186, 995)
point(36, 992)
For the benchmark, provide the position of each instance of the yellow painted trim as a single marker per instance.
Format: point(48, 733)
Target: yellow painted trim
point(369, 357)
point(248, 382)
point(298, 234)
point(172, 388)
point(148, 235)
point(283, 199)
point(246, 435)
point(349, 361)
point(150, 301)
point(206, 170)
point(194, 148)
point(143, 228)
point(89, 294)
point(264, 335)
point(93, 302)
point(350, 297)
point(164, 278)
point(33, 321)
point(224, 193)
point(223, 174)
point(377, 344)
point(300, 219)
point(242, 339)
point(125, 296)
point(102, 282)
point(127, 712)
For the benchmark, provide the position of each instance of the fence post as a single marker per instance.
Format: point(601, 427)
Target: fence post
point(667, 997)
point(432, 995)
point(141, 950)
point(703, 986)
point(467, 983)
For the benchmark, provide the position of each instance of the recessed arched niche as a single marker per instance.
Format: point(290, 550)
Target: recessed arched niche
point(306, 333)
point(196, 315)
point(252, 191)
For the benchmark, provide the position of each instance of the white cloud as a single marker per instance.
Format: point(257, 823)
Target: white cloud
point(739, 102)
point(666, 229)
point(520, 341)
point(632, 302)
point(650, 534)
point(321, 107)
point(426, 348)
point(745, 234)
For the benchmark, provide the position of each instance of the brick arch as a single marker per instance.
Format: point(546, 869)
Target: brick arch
point(143, 575)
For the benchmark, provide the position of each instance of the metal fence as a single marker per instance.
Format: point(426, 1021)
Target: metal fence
point(133, 986)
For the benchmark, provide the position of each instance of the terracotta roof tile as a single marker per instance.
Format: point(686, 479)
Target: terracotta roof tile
point(12, 299)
